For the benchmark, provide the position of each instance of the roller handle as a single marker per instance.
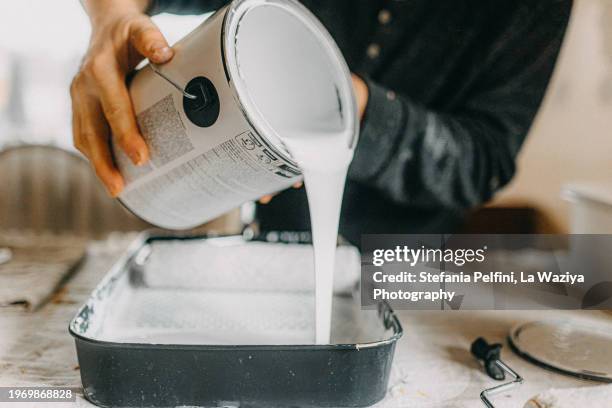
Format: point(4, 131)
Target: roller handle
point(489, 354)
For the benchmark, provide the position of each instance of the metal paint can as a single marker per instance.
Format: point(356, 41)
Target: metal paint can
point(258, 69)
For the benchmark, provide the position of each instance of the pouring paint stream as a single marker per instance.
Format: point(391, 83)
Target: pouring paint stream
point(298, 88)
point(324, 158)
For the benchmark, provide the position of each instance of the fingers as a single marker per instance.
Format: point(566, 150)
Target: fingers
point(101, 101)
point(91, 138)
point(149, 41)
point(118, 110)
point(101, 159)
point(266, 199)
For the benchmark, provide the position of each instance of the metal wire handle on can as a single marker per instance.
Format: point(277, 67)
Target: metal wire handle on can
point(175, 84)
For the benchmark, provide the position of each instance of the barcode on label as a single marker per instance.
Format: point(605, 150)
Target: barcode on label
point(164, 132)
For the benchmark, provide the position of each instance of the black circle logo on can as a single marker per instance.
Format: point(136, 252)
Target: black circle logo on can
point(202, 111)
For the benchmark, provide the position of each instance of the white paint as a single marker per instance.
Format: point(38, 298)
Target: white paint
point(324, 159)
point(298, 88)
point(245, 295)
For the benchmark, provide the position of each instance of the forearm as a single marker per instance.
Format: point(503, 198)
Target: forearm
point(420, 157)
point(459, 157)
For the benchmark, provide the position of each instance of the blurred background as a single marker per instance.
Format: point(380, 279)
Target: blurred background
point(570, 143)
point(41, 43)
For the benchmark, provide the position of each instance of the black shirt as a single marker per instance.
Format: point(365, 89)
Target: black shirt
point(454, 87)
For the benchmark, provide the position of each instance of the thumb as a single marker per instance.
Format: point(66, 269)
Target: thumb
point(149, 41)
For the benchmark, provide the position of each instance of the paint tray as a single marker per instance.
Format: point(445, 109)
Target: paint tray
point(226, 322)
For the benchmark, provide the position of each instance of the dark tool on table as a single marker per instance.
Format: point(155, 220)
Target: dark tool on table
point(495, 368)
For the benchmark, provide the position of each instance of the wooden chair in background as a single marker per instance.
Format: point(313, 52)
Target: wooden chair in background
point(45, 188)
point(48, 189)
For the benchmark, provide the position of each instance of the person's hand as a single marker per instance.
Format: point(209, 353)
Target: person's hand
point(122, 35)
point(361, 94)
point(268, 197)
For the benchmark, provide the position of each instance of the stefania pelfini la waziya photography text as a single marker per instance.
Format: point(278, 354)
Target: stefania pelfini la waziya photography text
point(487, 271)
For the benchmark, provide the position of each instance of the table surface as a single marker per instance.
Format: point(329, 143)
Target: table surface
point(432, 367)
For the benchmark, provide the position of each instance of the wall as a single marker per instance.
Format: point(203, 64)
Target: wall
point(571, 139)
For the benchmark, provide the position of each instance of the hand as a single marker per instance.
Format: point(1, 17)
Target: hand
point(268, 197)
point(122, 35)
point(361, 94)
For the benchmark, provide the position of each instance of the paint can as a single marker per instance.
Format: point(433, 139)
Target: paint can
point(215, 115)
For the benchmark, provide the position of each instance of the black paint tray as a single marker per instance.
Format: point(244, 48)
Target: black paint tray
point(224, 322)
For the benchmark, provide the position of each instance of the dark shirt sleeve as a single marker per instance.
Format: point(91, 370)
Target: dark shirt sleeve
point(458, 159)
point(184, 6)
